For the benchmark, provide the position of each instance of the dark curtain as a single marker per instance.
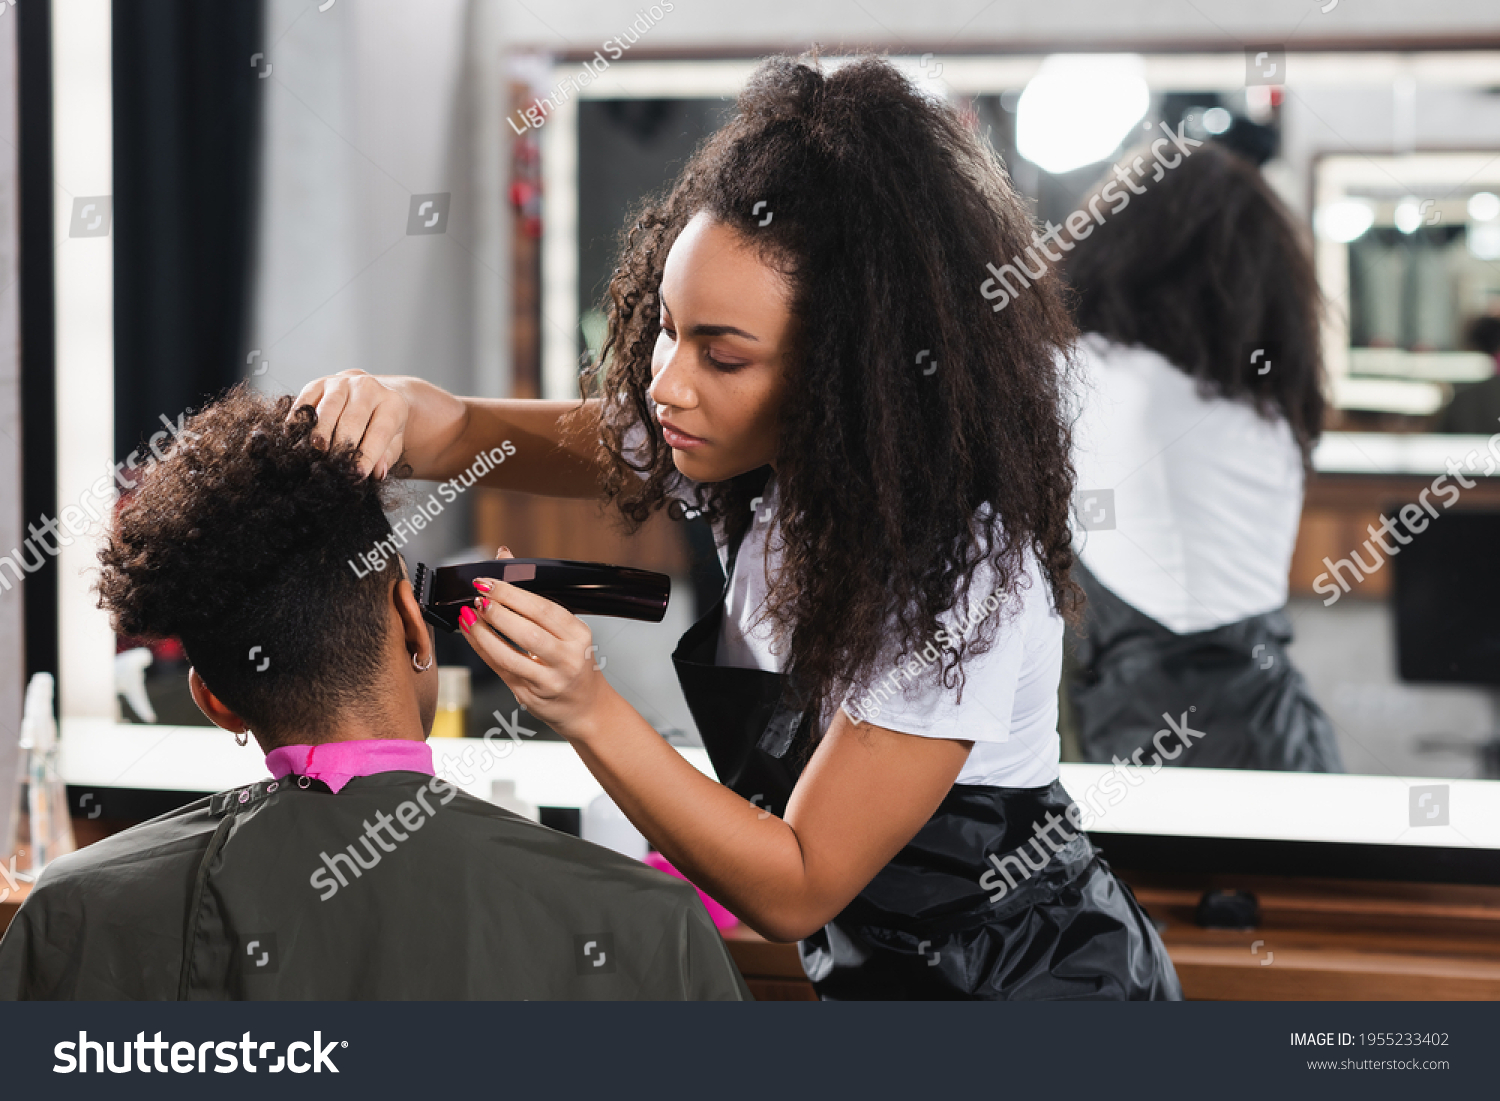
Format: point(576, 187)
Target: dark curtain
point(38, 344)
point(186, 153)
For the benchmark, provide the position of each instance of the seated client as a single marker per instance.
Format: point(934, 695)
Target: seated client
point(353, 872)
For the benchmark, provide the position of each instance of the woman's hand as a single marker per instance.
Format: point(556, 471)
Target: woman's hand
point(399, 418)
point(359, 408)
point(557, 679)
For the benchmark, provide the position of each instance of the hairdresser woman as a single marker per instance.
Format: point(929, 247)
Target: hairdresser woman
point(798, 348)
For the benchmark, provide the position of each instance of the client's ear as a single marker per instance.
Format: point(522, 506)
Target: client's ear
point(413, 626)
point(212, 707)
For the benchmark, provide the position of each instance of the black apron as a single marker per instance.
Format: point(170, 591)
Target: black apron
point(1063, 926)
point(1234, 684)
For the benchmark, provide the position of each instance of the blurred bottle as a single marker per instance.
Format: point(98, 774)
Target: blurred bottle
point(605, 824)
point(454, 696)
point(503, 794)
point(43, 828)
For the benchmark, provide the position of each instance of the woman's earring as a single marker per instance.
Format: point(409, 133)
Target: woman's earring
point(242, 738)
point(420, 668)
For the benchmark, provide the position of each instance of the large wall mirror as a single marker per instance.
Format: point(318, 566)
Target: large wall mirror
point(1391, 163)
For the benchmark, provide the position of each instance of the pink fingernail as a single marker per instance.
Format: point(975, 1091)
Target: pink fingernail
point(482, 586)
point(466, 617)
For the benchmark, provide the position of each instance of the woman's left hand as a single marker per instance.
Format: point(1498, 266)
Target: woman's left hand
point(559, 682)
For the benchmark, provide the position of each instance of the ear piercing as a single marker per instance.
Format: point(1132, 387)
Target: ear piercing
point(420, 668)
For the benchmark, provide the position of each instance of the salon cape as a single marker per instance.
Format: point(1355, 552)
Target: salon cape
point(229, 897)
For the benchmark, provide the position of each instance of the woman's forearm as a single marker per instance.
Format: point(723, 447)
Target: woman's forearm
point(747, 859)
point(445, 433)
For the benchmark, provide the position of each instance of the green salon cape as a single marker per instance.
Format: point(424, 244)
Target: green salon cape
point(398, 887)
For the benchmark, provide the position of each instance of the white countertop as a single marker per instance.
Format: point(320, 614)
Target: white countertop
point(1424, 454)
point(1178, 802)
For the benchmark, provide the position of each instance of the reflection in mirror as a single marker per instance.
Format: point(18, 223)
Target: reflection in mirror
point(1406, 249)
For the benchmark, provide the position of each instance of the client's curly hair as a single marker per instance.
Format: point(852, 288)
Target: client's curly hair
point(887, 209)
point(242, 537)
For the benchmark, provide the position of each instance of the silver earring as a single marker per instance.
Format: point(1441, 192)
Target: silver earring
point(420, 668)
point(242, 738)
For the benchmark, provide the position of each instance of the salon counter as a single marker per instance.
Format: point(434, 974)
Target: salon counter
point(1319, 937)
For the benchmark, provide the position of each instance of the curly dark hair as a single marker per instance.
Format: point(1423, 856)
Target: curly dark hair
point(242, 537)
point(888, 206)
point(1203, 267)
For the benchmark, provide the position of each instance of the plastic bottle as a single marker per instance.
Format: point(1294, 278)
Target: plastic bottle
point(49, 830)
point(605, 824)
point(454, 697)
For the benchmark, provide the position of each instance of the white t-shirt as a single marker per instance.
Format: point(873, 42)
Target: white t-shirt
point(1009, 708)
point(1207, 493)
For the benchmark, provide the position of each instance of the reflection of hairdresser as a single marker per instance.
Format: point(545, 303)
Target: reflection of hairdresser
point(1476, 408)
point(1200, 403)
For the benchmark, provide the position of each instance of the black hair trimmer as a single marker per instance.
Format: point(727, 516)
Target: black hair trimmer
point(584, 588)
